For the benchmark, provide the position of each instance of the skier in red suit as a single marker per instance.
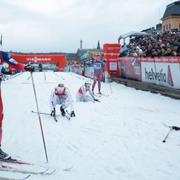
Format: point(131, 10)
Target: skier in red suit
point(5, 63)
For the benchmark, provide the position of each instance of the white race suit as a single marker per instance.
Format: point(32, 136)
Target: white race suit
point(62, 98)
point(84, 94)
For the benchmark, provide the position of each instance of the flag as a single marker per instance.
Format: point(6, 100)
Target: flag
point(1, 40)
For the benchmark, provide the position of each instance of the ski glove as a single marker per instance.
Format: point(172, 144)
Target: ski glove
point(176, 128)
point(72, 114)
point(53, 113)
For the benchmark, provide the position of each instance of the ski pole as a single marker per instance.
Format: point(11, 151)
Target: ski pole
point(44, 76)
point(167, 135)
point(42, 133)
point(110, 86)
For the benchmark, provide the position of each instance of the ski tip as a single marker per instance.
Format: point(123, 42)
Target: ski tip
point(49, 171)
point(27, 176)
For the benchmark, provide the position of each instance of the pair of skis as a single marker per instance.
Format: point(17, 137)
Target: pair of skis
point(22, 169)
point(67, 115)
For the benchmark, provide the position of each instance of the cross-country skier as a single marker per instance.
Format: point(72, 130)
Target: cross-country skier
point(61, 96)
point(85, 94)
point(98, 73)
point(8, 66)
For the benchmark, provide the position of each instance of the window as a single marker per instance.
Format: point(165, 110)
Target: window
point(164, 28)
point(169, 26)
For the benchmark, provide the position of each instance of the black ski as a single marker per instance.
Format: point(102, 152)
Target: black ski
point(44, 113)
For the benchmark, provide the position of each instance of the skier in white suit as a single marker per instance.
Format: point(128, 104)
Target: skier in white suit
point(61, 96)
point(85, 94)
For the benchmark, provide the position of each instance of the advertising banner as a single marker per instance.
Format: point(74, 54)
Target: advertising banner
point(59, 59)
point(113, 66)
point(111, 56)
point(148, 69)
point(130, 67)
point(111, 48)
point(163, 71)
point(168, 72)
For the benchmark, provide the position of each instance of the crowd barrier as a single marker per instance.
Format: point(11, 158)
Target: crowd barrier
point(163, 71)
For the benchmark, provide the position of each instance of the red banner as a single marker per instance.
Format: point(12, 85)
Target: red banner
point(59, 59)
point(111, 55)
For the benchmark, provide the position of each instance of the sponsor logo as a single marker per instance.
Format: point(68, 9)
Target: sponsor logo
point(160, 76)
point(157, 76)
point(36, 59)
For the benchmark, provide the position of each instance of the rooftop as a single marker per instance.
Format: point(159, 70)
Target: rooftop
point(172, 9)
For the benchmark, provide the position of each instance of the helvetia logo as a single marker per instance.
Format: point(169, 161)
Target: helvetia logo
point(160, 76)
point(157, 76)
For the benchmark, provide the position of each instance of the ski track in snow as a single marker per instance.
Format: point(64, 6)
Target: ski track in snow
point(119, 138)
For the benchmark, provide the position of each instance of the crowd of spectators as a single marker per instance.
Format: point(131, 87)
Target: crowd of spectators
point(157, 44)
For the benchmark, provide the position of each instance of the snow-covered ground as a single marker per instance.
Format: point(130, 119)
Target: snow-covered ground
point(119, 138)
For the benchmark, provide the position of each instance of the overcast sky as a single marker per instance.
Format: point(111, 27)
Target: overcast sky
point(59, 25)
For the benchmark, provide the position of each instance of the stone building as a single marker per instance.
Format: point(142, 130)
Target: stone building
point(171, 17)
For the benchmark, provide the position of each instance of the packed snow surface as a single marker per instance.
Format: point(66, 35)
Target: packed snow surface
point(119, 138)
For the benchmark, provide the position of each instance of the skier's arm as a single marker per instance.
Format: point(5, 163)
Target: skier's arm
point(10, 61)
point(83, 89)
point(70, 99)
point(51, 103)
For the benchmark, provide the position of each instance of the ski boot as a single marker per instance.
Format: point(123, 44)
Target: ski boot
point(3, 155)
point(62, 111)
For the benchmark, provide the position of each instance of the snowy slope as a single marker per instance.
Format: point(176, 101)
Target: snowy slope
point(118, 139)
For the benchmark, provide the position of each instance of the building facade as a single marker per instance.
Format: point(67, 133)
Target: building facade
point(171, 17)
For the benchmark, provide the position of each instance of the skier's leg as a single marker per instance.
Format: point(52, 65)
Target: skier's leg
point(53, 103)
point(62, 111)
point(3, 155)
point(94, 83)
point(63, 106)
point(99, 83)
point(1, 118)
